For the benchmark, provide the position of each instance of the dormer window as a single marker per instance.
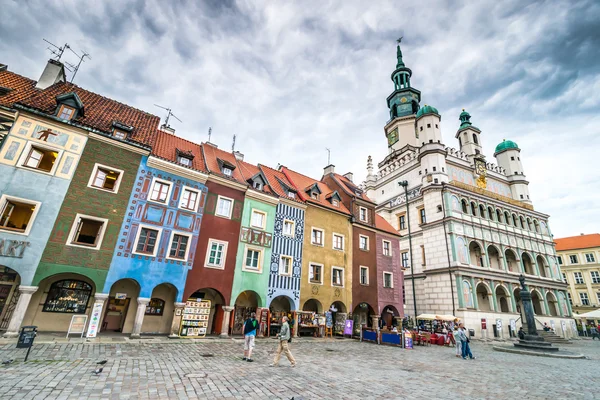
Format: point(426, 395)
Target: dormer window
point(314, 195)
point(66, 112)
point(335, 202)
point(227, 171)
point(291, 195)
point(257, 185)
point(184, 161)
point(119, 134)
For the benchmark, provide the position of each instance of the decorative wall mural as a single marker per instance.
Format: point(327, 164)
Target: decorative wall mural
point(461, 250)
point(467, 294)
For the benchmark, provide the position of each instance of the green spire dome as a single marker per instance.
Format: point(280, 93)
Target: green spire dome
point(506, 145)
point(400, 63)
point(427, 110)
point(465, 119)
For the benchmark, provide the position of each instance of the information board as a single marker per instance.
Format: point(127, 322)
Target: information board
point(194, 322)
point(77, 325)
point(95, 320)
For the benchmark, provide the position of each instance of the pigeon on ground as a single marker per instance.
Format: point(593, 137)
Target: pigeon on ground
point(97, 371)
point(6, 362)
point(101, 362)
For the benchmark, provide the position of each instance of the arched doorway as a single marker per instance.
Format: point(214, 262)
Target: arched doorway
point(503, 299)
point(217, 301)
point(387, 316)
point(280, 306)
point(362, 316)
point(160, 310)
point(527, 264)
point(484, 297)
point(246, 303)
point(511, 261)
point(313, 305)
point(58, 298)
point(9, 295)
point(494, 257)
point(552, 304)
point(543, 267)
point(121, 306)
point(536, 301)
point(340, 315)
point(476, 254)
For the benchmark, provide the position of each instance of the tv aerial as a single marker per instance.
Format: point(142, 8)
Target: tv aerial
point(75, 68)
point(56, 50)
point(169, 114)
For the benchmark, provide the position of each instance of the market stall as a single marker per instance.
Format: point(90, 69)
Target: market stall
point(308, 324)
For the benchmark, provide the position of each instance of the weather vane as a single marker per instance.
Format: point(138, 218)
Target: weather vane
point(399, 40)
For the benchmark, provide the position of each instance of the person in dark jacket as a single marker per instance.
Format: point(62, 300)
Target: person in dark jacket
point(250, 328)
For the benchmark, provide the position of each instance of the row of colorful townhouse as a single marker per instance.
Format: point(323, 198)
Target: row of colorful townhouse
point(101, 209)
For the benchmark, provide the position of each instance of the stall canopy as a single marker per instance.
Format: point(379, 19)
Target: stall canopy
point(439, 317)
point(427, 317)
point(445, 317)
point(589, 315)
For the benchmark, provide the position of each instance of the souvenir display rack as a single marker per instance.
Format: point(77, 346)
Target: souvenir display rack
point(194, 321)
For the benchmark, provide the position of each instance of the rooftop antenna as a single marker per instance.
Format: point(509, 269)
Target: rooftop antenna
point(328, 156)
point(233, 144)
point(169, 115)
point(81, 59)
point(209, 133)
point(55, 50)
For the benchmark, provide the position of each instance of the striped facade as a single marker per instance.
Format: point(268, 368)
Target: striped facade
point(283, 245)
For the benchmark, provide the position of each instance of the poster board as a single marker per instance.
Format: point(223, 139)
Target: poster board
point(77, 325)
point(92, 330)
point(194, 321)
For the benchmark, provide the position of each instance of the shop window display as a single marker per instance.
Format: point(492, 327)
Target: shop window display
point(68, 296)
point(155, 307)
point(194, 322)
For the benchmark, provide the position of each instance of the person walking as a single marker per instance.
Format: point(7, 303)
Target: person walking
point(458, 341)
point(464, 338)
point(250, 327)
point(284, 337)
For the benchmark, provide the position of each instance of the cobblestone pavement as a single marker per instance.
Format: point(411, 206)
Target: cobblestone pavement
point(327, 369)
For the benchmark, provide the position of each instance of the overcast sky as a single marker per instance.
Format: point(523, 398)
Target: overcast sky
point(292, 78)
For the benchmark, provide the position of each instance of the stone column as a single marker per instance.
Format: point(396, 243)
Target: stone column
point(296, 326)
point(176, 323)
point(99, 298)
point(375, 319)
point(17, 318)
point(139, 317)
point(225, 325)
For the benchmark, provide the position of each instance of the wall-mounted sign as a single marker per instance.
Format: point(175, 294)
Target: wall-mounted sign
point(95, 319)
point(13, 248)
point(120, 296)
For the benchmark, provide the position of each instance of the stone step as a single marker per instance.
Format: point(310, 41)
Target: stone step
point(535, 346)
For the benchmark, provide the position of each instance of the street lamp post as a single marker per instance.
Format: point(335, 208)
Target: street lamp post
point(404, 184)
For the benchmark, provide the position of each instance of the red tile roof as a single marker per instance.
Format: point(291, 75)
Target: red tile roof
point(303, 182)
point(350, 187)
point(275, 179)
point(100, 111)
point(20, 86)
point(383, 225)
point(578, 242)
point(212, 154)
point(249, 170)
point(167, 146)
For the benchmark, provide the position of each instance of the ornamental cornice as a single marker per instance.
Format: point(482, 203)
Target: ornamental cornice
point(178, 170)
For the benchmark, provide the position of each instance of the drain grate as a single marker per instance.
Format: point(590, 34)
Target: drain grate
point(207, 355)
point(330, 350)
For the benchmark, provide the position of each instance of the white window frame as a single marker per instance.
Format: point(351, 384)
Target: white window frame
point(261, 254)
point(264, 214)
point(37, 204)
point(169, 191)
point(593, 256)
point(322, 273)
point(229, 170)
point(293, 228)
point(598, 297)
point(383, 242)
point(363, 236)
point(230, 208)
point(181, 158)
point(334, 268)
point(289, 273)
point(187, 250)
point(44, 146)
point(335, 202)
point(73, 231)
point(564, 277)
point(322, 236)
point(595, 276)
point(207, 263)
point(578, 276)
point(576, 259)
point(183, 189)
point(360, 268)
point(581, 298)
point(93, 178)
point(360, 214)
point(559, 260)
point(333, 241)
point(137, 238)
point(391, 280)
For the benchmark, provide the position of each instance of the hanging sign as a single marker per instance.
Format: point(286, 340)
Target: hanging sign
point(77, 325)
point(483, 323)
point(95, 320)
point(120, 296)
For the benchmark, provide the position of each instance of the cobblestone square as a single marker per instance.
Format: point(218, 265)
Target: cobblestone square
point(327, 369)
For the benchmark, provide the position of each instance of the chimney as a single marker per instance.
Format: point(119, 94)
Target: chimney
point(54, 72)
point(349, 176)
point(167, 129)
point(3, 67)
point(238, 156)
point(581, 234)
point(330, 169)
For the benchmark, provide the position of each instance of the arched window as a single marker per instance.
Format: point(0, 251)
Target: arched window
point(473, 208)
point(523, 223)
point(475, 139)
point(536, 226)
point(465, 209)
point(507, 217)
point(481, 211)
point(529, 224)
point(490, 213)
point(498, 216)
point(515, 221)
point(68, 296)
point(155, 307)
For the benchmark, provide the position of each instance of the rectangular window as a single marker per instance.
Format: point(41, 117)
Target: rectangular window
point(338, 242)
point(224, 207)
point(598, 297)
point(258, 219)
point(405, 260)
point(252, 259)
point(595, 276)
point(570, 298)
point(227, 171)
point(160, 191)
point(288, 227)
point(291, 195)
point(184, 161)
point(316, 237)
point(589, 257)
point(189, 199)
point(573, 259)
point(285, 265)
point(66, 112)
point(564, 277)
point(364, 275)
point(363, 242)
point(179, 246)
point(146, 243)
point(387, 248)
point(87, 231)
point(335, 202)
point(363, 214)
point(119, 134)
point(585, 301)
point(424, 260)
point(402, 222)
point(422, 215)
point(217, 252)
point(106, 178)
point(559, 260)
point(337, 276)
point(578, 278)
point(41, 159)
point(17, 215)
point(315, 273)
point(388, 280)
